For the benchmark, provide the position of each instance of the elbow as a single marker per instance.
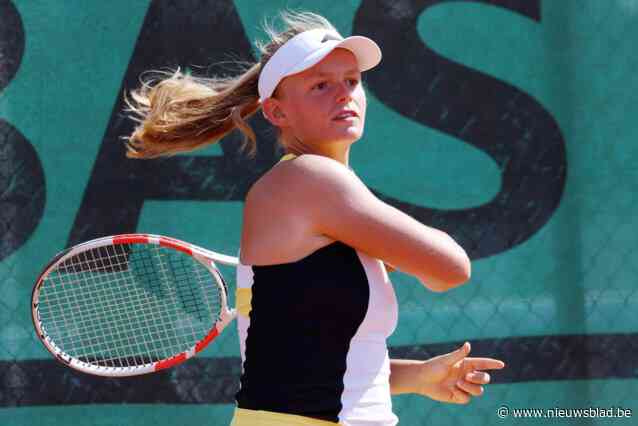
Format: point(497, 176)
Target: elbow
point(465, 270)
point(439, 286)
point(462, 277)
point(460, 271)
point(453, 277)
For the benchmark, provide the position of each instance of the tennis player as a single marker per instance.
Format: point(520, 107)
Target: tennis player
point(314, 298)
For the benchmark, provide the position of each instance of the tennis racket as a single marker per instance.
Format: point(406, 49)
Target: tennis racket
point(130, 304)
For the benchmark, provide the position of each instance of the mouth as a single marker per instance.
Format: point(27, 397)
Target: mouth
point(346, 115)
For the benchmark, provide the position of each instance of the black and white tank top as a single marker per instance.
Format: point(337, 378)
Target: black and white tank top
point(313, 337)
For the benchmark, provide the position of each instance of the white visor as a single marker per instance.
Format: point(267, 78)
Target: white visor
point(308, 48)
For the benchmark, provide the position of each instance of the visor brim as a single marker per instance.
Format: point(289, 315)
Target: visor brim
point(366, 51)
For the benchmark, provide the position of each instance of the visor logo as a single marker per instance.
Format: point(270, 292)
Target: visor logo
point(329, 37)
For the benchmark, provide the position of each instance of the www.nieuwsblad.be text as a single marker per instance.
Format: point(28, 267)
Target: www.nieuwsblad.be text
point(505, 411)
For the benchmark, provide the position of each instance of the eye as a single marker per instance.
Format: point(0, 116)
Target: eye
point(353, 82)
point(321, 85)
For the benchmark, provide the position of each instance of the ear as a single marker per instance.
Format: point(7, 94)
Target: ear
point(273, 112)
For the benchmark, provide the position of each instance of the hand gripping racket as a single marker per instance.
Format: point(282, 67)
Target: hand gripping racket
point(130, 304)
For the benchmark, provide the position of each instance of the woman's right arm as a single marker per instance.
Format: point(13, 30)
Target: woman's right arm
point(335, 203)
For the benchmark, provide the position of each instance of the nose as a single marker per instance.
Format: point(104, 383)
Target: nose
point(344, 92)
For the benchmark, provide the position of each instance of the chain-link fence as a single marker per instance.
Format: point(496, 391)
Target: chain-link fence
point(520, 145)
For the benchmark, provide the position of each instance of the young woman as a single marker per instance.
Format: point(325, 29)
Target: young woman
point(314, 299)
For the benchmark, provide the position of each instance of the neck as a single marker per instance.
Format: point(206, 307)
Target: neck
point(338, 151)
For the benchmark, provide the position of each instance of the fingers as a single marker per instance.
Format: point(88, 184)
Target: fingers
point(472, 384)
point(457, 355)
point(478, 377)
point(459, 396)
point(484, 363)
point(470, 388)
point(463, 392)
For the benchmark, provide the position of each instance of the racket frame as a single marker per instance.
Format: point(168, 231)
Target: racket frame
point(206, 257)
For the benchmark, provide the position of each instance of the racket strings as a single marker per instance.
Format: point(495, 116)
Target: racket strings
point(102, 291)
point(147, 301)
point(86, 334)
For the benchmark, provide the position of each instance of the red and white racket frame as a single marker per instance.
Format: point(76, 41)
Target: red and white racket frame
point(206, 257)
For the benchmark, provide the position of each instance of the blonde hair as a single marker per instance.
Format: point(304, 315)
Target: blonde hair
point(182, 112)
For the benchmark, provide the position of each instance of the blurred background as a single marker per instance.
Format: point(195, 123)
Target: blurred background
point(509, 124)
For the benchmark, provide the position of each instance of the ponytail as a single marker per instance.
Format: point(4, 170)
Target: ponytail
point(182, 113)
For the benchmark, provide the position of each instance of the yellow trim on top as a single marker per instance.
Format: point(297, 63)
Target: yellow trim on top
point(243, 300)
point(244, 417)
point(288, 156)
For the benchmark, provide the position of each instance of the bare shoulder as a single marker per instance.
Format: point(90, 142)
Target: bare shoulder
point(277, 224)
point(299, 177)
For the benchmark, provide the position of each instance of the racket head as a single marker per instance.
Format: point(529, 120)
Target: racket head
point(130, 304)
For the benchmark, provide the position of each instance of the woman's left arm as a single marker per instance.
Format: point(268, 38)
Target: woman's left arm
point(453, 377)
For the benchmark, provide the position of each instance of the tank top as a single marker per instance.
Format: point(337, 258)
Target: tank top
point(313, 336)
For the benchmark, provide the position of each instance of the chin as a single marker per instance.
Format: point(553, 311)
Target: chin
point(356, 137)
point(351, 135)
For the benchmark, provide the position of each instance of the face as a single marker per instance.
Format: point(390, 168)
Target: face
point(306, 105)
